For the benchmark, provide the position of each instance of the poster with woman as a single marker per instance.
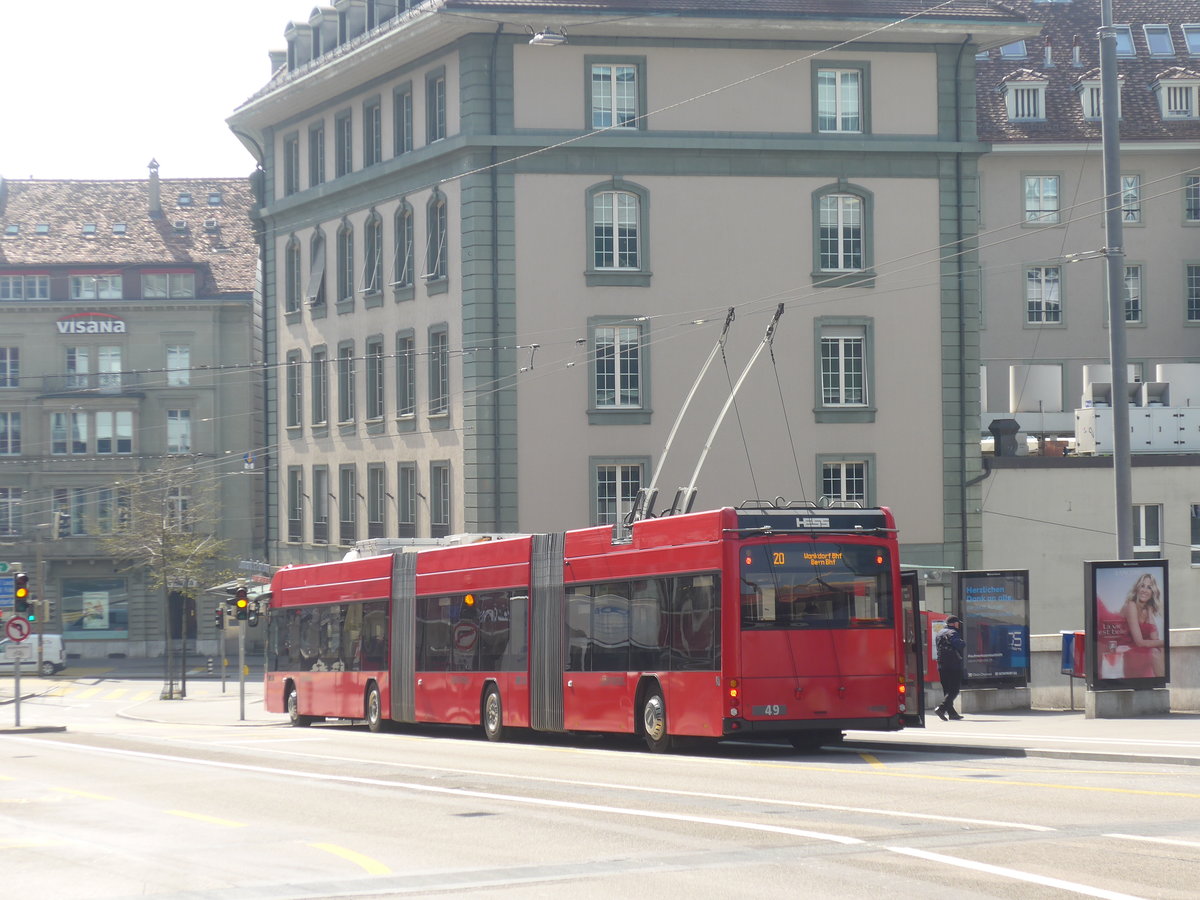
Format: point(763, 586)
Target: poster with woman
point(1128, 642)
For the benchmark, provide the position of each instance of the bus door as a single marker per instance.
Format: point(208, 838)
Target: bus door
point(910, 585)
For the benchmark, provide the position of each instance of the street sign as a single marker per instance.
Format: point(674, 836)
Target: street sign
point(7, 589)
point(17, 629)
point(18, 652)
point(3, 567)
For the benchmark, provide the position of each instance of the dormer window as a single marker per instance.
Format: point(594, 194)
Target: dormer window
point(12, 230)
point(180, 225)
point(41, 228)
point(211, 226)
point(1025, 98)
point(214, 198)
point(185, 198)
point(1158, 39)
point(120, 228)
point(1090, 97)
point(1015, 50)
point(1178, 92)
point(1191, 37)
point(89, 229)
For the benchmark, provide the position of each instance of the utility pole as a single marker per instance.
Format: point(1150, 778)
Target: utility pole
point(1114, 253)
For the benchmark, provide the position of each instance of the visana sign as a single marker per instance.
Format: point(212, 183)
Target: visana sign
point(91, 323)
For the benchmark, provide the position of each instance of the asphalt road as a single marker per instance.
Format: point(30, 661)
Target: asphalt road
point(176, 799)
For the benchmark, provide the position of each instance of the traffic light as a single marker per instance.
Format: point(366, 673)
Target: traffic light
point(219, 617)
point(252, 615)
point(241, 604)
point(22, 603)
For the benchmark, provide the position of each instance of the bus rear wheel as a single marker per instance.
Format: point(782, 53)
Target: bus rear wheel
point(293, 708)
point(654, 721)
point(493, 714)
point(374, 710)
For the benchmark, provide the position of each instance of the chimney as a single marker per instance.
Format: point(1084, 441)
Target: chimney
point(155, 199)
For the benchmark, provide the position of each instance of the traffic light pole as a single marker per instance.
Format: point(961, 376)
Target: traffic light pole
point(241, 672)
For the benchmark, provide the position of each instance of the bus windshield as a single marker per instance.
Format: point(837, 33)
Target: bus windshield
point(808, 585)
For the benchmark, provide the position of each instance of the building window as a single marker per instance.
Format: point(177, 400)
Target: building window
point(1043, 295)
point(1191, 37)
point(1177, 97)
point(615, 223)
point(168, 285)
point(1133, 294)
point(10, 367)
point(1195, 522)
point(343, 146)
point(71, 509)
point(1124, 41)
point(1041, 199)
point(295, 390)
point(291, 165)
point(291, 276)
point(345, 382)
point(68, 433)
point(1025, 101)
point(179, 502)
point(316, 155)
point(179, 431)
point(1015, 50)
point(435, 107)
point(373, 255)
point(402, 121)
point(616, 94)
point(406, 376)
point(10, 433)
point(842, 237)
point(320, 505)
point(10, 511)
point(376, 497)
point(95, 287)
point(439, 499)
point(112, 510)
point(320, 386)
point(406, 500)
point(437, 231)
point(1131, 199)
point(114, 432)
point(1191, 200)
point(78, 367)
point(402, 275)
point(25, 287)
point(1158, 40)
point(345, 263)
point(840, 96)
point(1091, 99)
point(315, 291)
point(619, 383)
point(439, 372)
point(347, 505)
point(844, 480)
point(295, 504)
point(374, 376)
point(615, 486)
point(372, 133)
point(1147, 530)
point(843, 367)
point(179, 365)
point(1192, 287)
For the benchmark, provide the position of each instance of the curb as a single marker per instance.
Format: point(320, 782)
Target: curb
point(1021, 752)
point(33, 729)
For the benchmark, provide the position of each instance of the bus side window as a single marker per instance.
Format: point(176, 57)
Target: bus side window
point(695, 624)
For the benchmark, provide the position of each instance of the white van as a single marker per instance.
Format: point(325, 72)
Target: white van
point(54, 654)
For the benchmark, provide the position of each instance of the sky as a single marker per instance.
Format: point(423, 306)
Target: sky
point(93, 90)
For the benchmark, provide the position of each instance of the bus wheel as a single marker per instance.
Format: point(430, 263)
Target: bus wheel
point(293, 708)
point(493, 714)
point(374, 710)
point(654, 721)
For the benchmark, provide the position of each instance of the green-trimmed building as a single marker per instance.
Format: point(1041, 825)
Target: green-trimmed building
point(501, 239)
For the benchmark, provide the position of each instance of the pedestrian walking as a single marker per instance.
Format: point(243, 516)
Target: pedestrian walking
point(951, 649)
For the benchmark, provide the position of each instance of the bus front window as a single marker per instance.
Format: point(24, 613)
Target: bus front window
point(810, 585)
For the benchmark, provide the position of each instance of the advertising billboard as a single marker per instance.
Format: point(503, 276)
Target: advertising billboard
point(994, 608)
point(1127, 624)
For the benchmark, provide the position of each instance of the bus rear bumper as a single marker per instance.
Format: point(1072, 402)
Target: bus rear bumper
point(759, 728)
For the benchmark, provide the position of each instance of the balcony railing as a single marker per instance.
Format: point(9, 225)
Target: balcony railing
point(92, 383)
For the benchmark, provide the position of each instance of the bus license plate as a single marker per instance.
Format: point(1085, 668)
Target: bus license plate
point(771, 709)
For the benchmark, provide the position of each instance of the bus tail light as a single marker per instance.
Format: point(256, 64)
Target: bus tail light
point(902, 694)
point(733, 696)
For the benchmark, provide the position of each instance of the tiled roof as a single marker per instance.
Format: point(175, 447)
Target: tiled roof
point(228, 249)
point(1076, 22)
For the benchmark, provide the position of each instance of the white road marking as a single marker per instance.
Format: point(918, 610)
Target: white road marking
point(1174, 842)
point(1074, 887)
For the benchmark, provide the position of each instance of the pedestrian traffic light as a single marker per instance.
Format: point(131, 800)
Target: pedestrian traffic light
point(241, 604)
point(219, 617)
point(252, 614)
point(22, 600)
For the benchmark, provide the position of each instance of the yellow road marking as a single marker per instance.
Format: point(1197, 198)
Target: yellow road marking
point(873, 760)
point(88, 692)
point(146, 695)
point(87, 794)
point(119, 692)
point(212, 820)
point(371, 866)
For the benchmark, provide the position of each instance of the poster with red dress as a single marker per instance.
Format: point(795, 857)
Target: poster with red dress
point(1127, 623)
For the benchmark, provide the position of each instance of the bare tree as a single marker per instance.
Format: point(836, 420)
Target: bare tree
point(164, 526)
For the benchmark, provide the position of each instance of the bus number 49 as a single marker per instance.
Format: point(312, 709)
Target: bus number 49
point(772, 709)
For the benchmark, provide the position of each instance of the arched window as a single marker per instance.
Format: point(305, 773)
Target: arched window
point(437, 232)
point(291, 275)
point(402, 275)
point(617, 234)
point(842, 236)
point(373, 255)
point(345, 263)
point(315, 292)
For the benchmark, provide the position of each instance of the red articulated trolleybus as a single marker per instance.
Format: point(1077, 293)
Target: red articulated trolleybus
point(757, 621)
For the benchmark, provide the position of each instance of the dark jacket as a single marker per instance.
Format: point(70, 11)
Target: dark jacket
point(951, 648)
